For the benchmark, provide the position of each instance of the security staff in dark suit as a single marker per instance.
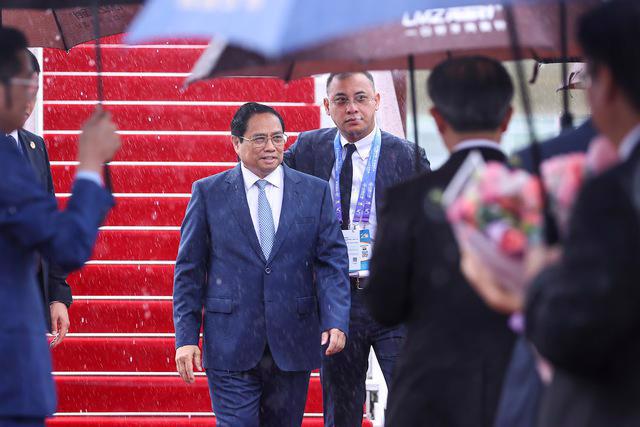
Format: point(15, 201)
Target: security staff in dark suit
point(30, 226)
point(451, 369)
point(361, 162)
point(56, 292)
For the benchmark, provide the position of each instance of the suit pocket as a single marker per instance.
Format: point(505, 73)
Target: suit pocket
point(307, 305)
point(219, 305)
point(305, 220)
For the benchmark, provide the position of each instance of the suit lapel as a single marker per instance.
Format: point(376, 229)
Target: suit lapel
point(32, 154)
point(240, 207)
point(288, 210)
point(385, 170)
point(326, 158)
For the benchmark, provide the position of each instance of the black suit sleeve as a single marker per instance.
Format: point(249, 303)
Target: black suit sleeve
point(388, 291)
point(425, 165)
point(581, 311)
point(59, 289)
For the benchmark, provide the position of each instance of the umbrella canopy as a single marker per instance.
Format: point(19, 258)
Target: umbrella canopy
point(275, 28)
point(67, 27)
point(48, 4)
point(429, 36)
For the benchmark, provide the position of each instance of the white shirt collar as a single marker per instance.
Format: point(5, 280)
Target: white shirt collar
point(629, 143)
point(363, 146)
point(15, 136)
point(477, 143)
point(275, 178)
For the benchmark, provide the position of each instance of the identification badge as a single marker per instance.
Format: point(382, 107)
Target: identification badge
point(365, 249)
point(352, 239)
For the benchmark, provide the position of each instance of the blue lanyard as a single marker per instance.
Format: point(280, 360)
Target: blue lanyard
point(368, 185)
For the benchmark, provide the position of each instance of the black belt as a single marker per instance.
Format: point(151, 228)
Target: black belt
point(358, 283)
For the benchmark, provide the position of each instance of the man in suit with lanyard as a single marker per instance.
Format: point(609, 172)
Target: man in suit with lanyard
point(360, 162)
point(56, 292)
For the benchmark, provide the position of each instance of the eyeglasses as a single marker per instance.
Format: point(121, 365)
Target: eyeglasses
point(259, 141)
point(342, 101)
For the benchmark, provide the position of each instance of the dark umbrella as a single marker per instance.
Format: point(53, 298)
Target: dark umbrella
point(66, 23)
point(421, 39)
point(67, 27)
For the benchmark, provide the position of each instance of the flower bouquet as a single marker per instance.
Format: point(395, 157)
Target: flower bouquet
point(496, 214)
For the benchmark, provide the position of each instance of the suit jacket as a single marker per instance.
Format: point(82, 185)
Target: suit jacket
point(30, 223)
point(313, 153)
point(51, 277)
point(583, 313)
point(452, 366)
point(250, 301)
point(572, 141)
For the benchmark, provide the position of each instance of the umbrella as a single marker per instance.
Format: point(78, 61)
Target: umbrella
point(69, 26)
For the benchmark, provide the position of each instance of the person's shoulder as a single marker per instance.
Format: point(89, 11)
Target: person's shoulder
point(392, 139)
point(305, 178)
point(407, 192)
point(215, 180)
point(322, 134)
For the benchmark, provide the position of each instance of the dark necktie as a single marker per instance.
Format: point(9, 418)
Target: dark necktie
point(16, 143)
point(346, 179)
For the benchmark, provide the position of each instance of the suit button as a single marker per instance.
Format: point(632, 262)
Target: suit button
point(267, 270)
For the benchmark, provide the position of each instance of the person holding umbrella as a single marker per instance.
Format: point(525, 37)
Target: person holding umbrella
point(354, 156)
point(451, 369)
point(32, 226)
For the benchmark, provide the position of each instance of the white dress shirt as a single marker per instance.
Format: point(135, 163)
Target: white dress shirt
point(629, 143)
point(477, 143)
point(274, 192)
point(359, 160)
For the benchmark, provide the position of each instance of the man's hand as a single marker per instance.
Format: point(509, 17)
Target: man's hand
point(59, 322)
point(337, 340)
point(98, 142)
point(186, 356)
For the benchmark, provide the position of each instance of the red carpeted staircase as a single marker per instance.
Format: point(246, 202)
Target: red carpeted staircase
point(116, 367)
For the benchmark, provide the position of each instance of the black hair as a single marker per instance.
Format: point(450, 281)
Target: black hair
point(609, 36)
point(12, 43)
point(34, 62)
point(472, 93)
point(245, 112)
point(340, 76)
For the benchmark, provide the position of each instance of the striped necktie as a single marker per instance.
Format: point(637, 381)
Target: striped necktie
point(266, 228)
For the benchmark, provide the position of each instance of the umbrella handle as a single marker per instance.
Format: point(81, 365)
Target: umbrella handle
point(414, 112)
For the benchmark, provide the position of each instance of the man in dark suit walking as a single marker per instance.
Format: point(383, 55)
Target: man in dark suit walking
point(583, 310)
point(369, 161)
point(451, 369)
point(56, 292)
point(31, 226)
point(262, 253)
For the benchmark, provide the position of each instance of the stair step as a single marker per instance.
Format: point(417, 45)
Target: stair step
point(118, 59)
point(147, 394)
point(123, 279)
point(158, 421)
point(141, 178)
point(113, 354)
point(140, 245)
point(121, 316)
point(154, 148)
point(169, 88)
point(144, 211)
point(163, 117)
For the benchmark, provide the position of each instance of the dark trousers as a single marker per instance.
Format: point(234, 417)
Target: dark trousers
point(522, 389)
point(263, 396)
point(344, 374)
point(21, 422)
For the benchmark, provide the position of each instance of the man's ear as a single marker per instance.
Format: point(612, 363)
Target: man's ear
point(607, 82)
point(441, 123)
point(377, 99)
point(236, 143)
point(326, 106)
point(507, 119)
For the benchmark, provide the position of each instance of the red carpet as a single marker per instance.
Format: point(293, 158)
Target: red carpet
point(116, 368)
